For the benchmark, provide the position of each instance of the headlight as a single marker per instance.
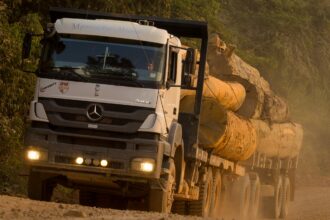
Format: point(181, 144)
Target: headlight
point(143, 164)
point(79, 160)
point(104, 163)
point(33, 155)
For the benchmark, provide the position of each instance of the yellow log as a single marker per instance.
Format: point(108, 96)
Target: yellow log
point(228, 135)
point(230, 95)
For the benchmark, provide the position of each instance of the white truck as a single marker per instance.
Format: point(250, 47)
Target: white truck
point(105, 119)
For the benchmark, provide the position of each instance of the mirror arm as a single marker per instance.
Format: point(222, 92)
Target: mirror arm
point(28, 71)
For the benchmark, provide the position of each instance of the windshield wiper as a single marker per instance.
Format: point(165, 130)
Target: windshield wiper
point(69, 73)
point(126, 80)
point(123, 77)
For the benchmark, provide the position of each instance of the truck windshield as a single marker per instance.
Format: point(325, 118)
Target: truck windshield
point(103, 61)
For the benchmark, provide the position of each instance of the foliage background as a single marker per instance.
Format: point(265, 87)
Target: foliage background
point(288, 41)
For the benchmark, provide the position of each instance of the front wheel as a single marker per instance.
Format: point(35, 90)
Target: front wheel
point(40, 187)
point(161, 200)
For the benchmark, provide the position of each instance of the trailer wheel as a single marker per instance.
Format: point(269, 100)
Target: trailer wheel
point(179, 207)
point(216, 195)
point(273, 204)
point(161, 200)
point(39, 187)
point(202, 206)
point(255, 196)
point(241, 197)
point(286, 195)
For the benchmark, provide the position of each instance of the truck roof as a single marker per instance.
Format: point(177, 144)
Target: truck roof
point(111, 28)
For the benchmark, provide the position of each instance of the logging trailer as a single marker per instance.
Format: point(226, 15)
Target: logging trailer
point(105, 120)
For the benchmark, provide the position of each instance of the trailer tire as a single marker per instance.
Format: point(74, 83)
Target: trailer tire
point(273, 204)
point(241, 197)
point(202, 206)
point(179, 207)
point(217, 199)
point(254, 196)
point(39, 187)
point(286, 196)
point(161, 200)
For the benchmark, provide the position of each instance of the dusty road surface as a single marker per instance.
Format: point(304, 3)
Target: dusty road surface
point(312, 203)
point(22, 208)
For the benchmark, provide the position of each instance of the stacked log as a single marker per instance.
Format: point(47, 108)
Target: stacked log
point(261, 101)
point(221, 130)
point(240, 113)
point(282, 139)
point(268, 113)
point(230, 95)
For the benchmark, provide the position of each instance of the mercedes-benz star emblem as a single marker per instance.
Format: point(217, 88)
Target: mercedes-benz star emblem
point(94, 112)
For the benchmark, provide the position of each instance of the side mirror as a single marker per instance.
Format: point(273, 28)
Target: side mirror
point(26, 48)
point(186, 80)
point(190, 61)
point(189, 67)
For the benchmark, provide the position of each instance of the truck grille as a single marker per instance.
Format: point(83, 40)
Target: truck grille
point(116, 118)
point(91, 142)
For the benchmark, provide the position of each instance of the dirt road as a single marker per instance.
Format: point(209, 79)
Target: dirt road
point(312, 203)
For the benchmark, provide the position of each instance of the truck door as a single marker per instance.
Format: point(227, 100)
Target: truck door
point(171, 96)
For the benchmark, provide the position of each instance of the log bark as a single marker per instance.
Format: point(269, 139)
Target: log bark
point(261, 101)
point(282, 139)
point(221, 131)
point(276, 109)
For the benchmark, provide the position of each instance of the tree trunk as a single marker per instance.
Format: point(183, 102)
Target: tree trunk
point(282, 140)
point(260, 102)
point(275, 109)
point(228, 135)
point(230, 95)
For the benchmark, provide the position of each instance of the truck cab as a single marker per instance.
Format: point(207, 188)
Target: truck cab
point(105, 114)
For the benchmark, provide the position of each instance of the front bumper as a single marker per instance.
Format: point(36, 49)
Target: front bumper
point(58, 155)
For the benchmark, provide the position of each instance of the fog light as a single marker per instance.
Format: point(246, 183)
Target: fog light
point(143, 164)
point(104, 163)
point(33, 155)
point(88, 161)
point(79, 160)
point(147, 167)
point(96, 162)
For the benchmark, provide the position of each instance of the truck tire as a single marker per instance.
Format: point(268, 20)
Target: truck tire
point(86, 198)
point(254, 196)
point(286, 196)
point(202, 206)
point(241, 197)
point(161, 200)
point(39, 188)
point(216, 200)
point(272, 204)
point(179, 207)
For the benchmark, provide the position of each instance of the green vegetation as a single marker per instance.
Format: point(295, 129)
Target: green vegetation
point(288, 41)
